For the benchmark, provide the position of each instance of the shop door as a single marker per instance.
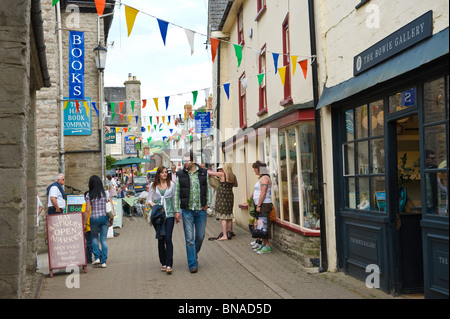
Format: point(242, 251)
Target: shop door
point(408, 213)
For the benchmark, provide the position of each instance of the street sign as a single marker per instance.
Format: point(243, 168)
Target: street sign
point(203, 123)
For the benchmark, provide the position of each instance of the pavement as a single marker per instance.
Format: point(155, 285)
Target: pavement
point(227, 270)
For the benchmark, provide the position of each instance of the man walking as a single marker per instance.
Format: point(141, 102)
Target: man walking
point(56, 195)
point(192, 197)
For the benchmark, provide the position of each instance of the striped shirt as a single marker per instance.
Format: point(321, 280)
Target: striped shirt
point(194, 193)
point(98, 206)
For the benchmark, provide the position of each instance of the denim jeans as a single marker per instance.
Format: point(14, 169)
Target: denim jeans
point(88, 237)
point(194, 225)
point(99, 226)
point(165, 246)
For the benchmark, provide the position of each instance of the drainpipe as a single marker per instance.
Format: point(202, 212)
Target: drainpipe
point(217, 107)
point(61, 95)
point(323, 241)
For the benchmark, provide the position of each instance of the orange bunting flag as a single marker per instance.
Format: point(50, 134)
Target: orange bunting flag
point(304, 65)
point(125, 129)
point(130, 17)
point(156, 103)
point(214, 45)
point(120, 107)
point(77, 105)
point(144, 103)
point(100, 5)
point(282, 72)
point(121, 118)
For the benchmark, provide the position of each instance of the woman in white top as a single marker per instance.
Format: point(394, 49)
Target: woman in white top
point(162, 192)
point(262, 197)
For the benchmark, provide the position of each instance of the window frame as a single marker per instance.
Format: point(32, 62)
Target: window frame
point(240, 25)
point(287, 93)
point(263, 87)
point(261, 7)
point(242, 104)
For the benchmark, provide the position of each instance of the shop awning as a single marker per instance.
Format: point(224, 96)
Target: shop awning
point(422, 53)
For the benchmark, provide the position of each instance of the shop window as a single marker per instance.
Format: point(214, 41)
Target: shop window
point(363, 158)
point(402, 100)
point(436, 147)
point(242, 101)
point(116, 149)
point(284, 176)
point(274, 172)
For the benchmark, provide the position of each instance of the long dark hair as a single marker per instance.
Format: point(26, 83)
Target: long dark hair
point(96, 190)
point(157, 179)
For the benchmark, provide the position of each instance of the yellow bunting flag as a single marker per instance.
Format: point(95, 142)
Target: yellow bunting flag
point(65, 104)
point(117, 129)
point(294, 63)
point(129, 118)
point(156, 103)
point(163, 119)
point(86, 107)
point(130, 17)
point(282, 72)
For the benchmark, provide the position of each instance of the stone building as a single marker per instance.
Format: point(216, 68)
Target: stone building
point(23, 71)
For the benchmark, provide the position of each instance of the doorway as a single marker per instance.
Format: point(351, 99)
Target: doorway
point(409, 206)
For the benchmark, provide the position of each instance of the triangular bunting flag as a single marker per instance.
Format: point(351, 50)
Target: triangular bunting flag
point(112, 116)
point(125, 129)
point(151, 121)
point(100, 5)
point(260, 78)
point(86, 107)
point(129, 118)
point(65, 104)
point(112, 106)
point(136, 118)
point(149, 139)
point(54, 2)
point(120, 107)
point(304, 66)
point(144, 103)
point(163, 119)
point(214, 45)
point(130, 17)
point(121, 118)
point(157, 120)
point(190, 35)
point(117, 129)
point(167, 101)
point(238, 52)
point(163, 29)
point(132, 106)
point(171, 130)
point(95, 108)
point(282, 72)
point(226, 87)
point(156, 103)
point(275, 61)
point(294, 63)
point(194, 94)
point(77, 105)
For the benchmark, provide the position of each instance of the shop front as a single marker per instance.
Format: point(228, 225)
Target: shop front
point(390, 140)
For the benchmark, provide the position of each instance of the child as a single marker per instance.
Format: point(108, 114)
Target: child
point(87, 234)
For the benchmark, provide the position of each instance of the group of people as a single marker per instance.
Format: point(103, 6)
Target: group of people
point(185, 197)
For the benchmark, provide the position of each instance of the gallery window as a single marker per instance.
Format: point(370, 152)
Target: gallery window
point(116, 149)
point(363, 158)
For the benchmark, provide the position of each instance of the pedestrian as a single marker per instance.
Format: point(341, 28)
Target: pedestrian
point(192, 198)
point(162, 192)
point(56, 195)
point(263, 202)
point(173, 174)
point(99, 221)
point(111, 185)
point(87, 232)
point(225, 200)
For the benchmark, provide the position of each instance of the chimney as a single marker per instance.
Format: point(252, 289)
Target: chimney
point(129, 76)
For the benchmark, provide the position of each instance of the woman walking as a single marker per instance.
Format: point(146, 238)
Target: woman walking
point(162, 192)
point(263, 202)
point(225, 199)
point(99, 220)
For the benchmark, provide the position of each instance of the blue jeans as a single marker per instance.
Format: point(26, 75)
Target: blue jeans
point(88, 237)
point(99, 226)
point(194, 225)
point(165, 246)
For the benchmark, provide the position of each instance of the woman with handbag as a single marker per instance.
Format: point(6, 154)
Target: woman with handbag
point(262, 197)
point(162, 192)
point(96, 199)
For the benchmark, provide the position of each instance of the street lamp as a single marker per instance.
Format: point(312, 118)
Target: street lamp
point(100, 61)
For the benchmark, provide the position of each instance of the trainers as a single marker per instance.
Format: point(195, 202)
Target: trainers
point(256, 245)
point(258, 248)
point(102, 265)
point(253, 243)
point(265, 250)
point(96, 262)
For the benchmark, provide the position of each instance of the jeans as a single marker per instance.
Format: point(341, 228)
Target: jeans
point(88, 237)
point(193, 219)
point(99, 226)
point(165, 246)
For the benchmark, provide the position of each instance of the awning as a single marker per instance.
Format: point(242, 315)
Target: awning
point(422, 53)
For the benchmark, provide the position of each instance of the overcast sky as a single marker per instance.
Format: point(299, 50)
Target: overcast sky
point(163, 70)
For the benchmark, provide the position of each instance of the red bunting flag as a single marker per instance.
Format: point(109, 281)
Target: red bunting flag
point(144, 103)
point(120, 107)
point(304, 66)
point(214, 45)
point(100, 5)
point(77, 105)
point(121, 118)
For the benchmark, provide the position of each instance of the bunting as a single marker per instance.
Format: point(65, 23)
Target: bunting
point(167, 101)
point(130, 17)
point(214, 45)
point(100, 6)
point(294, 63)
point(226, 87)
point(190, 36)
point(238, 52)
point(275, 61)
point(54, 2)
point(194, 96)
point(282, 72)
point(163, 29)
point(260, 78)
point(304, 66)
point(144, 103)
point(156, 103)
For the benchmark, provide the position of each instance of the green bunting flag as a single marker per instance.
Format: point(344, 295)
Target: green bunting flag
point(54, 2)
point(260, 78)
point(195, 93)
point(112, 106)
point(238, 51)
point(132, 106)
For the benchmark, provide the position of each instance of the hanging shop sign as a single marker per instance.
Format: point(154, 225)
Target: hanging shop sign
point(203, 123)
point(400, 40)
point(77, 117)
point(129, 146)
point(76, 65)
point(110, 136)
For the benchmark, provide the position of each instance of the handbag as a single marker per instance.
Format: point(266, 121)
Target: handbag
point(109, 207)
point(261, 230)
point(273, 214)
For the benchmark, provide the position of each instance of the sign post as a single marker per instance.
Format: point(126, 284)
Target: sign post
point(66, 245)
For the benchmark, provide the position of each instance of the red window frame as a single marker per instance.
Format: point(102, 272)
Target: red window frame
point(242, 104)
point(286, 62)
point(240, 26)
point(260, 9)
point(262, 88)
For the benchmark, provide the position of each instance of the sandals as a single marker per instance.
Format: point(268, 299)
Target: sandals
point(169, 270)
point(164, 268)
